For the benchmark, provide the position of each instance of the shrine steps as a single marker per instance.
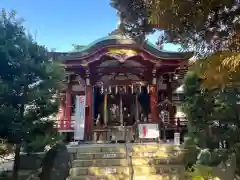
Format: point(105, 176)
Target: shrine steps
point(116, 177)
point(125, 162)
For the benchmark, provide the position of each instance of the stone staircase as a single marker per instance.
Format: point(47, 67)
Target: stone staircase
point(126, 162)
point(157, 162)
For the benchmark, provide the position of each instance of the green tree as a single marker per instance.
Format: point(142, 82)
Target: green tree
point(213, 116)
point(201, 23)
point(208, 27)
point(29, 83)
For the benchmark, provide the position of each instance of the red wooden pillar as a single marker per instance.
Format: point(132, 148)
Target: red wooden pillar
point(61, 112)
point(68, 106)
point(154, 103)
point(169, 95)
point(154, 99)
point(88, 119)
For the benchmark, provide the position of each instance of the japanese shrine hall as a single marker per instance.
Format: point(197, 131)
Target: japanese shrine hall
point(115, 85)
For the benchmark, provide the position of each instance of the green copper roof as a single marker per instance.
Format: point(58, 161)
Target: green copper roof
point(115, 37)
point(121, 40)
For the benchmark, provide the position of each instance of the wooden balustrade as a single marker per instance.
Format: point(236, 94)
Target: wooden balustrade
point(113, 134)
point(130, 133)
point(183, 122)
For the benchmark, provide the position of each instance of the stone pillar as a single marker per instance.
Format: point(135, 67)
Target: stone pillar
point(88, 118)
point(68, 106)
point(154, 99)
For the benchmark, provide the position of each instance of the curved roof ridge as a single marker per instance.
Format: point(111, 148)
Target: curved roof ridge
point(119, 37)
point(119, 40)
point(99, 40)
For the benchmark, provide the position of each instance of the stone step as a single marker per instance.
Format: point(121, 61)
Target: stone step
point(99, 171)
point(163, 154)
point(156, 177)
point(98, 148)
point(159, 158)
point(158, 170)
point(122, 162)
point(100, 162)
point(122, 148)
point(154, 161)
point(99, 155)
point(123, 177)
point(121, 170)
point(154, 147)
point(107, 177)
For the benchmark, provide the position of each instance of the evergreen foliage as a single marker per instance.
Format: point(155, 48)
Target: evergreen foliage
point(210, 28)
point(29, 83)
point(214, 120)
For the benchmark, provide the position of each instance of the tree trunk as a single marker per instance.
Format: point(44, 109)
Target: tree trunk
point(19, 138)
point(16, 162)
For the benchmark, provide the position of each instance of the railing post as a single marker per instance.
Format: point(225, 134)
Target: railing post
point(136, 139)
point(125, 132)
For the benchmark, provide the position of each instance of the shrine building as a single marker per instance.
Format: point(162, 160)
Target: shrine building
point(114, 84)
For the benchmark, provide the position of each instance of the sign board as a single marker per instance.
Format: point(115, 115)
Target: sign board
point(177, 139)
point(110, 155)
point(148, 131)
point(79, 118)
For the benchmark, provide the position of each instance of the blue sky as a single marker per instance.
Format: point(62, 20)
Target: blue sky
point(59, 24)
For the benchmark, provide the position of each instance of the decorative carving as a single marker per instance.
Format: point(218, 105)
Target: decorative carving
point(87, 72)
point(121, 54)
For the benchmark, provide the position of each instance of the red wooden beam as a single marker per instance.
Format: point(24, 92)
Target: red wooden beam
point(120, 82)
point(119, 70)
